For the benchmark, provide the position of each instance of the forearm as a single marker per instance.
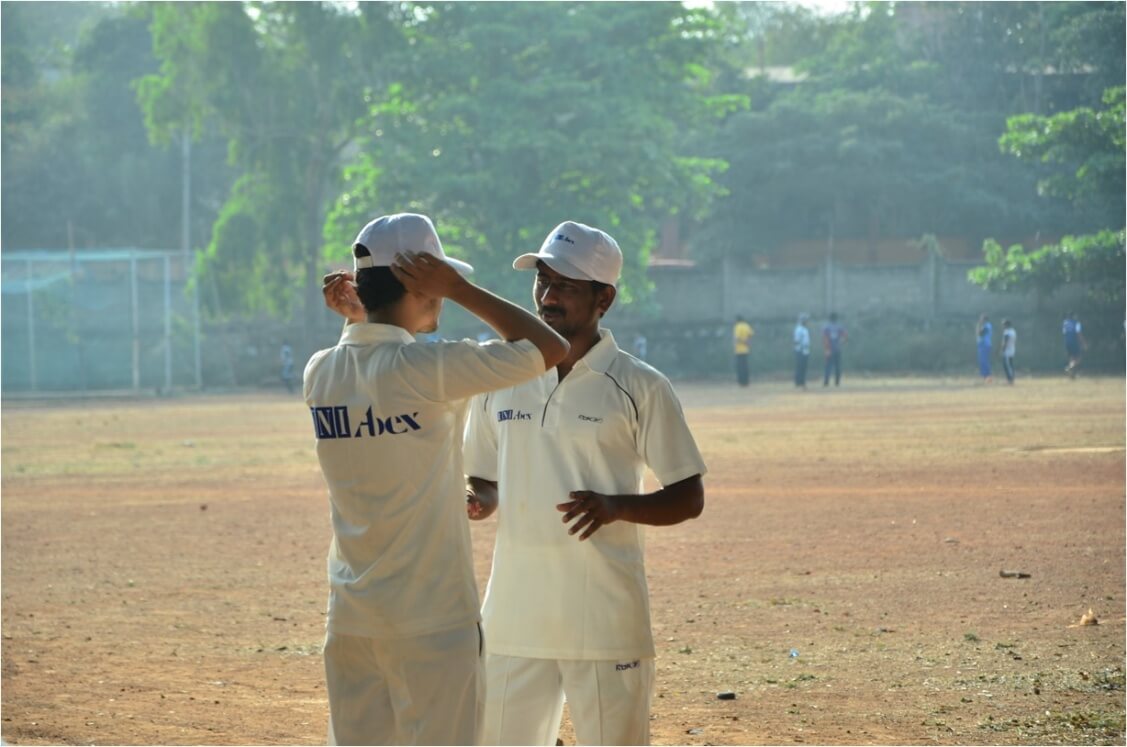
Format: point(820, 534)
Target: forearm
point(511, 321)
point(672, 504)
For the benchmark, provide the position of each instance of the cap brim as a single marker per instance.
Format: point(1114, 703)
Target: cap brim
point(563, 267)
point(463, 268)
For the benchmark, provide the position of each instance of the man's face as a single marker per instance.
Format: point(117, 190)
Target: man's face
point(434, 311)
point(566, 305)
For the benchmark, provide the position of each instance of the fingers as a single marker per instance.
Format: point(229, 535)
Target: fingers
point(584, 521)
point(408, 268)
point(582, 502)
point(595, 525)
point(571, 510)
point(412, 263)
point(334, 279)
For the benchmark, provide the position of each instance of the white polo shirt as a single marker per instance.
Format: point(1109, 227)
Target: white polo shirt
point(388, 415)
point(551, 596)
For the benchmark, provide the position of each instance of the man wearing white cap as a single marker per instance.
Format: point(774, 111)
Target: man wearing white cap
point(403, 647)
point(566, 612)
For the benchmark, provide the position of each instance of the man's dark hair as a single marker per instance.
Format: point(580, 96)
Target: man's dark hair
point(376, 286)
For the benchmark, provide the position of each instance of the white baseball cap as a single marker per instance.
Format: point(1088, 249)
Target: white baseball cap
point(398, 234)
point(578, 252)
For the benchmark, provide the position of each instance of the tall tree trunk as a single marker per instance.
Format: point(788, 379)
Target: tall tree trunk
point(314, 193)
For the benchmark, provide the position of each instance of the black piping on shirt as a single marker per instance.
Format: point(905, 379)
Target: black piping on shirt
point(632, 402)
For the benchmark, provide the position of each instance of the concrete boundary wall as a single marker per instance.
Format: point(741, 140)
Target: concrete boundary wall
point(931, 289)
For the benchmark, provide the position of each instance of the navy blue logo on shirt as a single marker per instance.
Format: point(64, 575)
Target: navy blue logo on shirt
point(332, 422)
point(590, 418)
point(503, 415)
point(561, 237)
point(627, 665)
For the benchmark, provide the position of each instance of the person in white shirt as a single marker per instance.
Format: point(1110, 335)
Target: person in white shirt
point(403, 646)
point(801, 350)
point(561, 458)
point(1009, 349)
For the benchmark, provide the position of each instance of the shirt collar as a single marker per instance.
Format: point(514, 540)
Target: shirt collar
point(369, 333)
point(602, 354)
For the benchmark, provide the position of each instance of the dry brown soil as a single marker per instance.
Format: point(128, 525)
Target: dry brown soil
point(163, 569)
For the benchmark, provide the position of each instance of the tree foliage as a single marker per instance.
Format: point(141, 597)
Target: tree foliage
point(893, 131)
point(1084, 151)
point(750, 124)
point(521, 115)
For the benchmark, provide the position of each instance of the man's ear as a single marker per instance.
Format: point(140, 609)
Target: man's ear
point(606, 299)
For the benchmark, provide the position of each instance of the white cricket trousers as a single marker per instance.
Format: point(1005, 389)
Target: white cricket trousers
point(420, 690)
point(609, 701)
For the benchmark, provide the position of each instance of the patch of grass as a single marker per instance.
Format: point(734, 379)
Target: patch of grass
point(115, 445)
point(804, 677)
point(1089, 721)
point(1076, 727)
point(1109, 679)
point(972, 637)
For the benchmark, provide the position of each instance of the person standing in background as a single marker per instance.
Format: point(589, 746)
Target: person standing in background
point(833, 339)
point(801, 351)
point(741, 340)
point(984, 331)
point(1074, 343)
point(640, 346)
point(286, 357)
point(1009, 349)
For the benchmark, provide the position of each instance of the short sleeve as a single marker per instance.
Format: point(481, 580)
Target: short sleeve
point(664, 440)
point(480, 448)
point(449, 371)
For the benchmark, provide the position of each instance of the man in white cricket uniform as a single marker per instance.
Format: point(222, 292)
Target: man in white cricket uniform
point(566, 611)
point(403, 646)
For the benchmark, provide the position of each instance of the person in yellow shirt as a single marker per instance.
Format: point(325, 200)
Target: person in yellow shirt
point(741, 337)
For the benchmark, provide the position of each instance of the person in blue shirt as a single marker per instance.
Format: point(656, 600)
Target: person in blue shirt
point(984, 331)
point(1074, 343)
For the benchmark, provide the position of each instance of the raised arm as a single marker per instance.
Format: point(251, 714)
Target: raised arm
point(423, 273)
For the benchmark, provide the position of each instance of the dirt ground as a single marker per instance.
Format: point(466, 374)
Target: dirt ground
point(163, 569)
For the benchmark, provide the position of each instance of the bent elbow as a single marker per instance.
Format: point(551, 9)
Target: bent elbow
point(696, 505)
point(554, 352)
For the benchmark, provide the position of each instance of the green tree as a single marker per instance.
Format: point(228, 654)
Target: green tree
point(77, 166)
point(521, 115)
point(284, 84)
point(893, 131)
point(1083, 150)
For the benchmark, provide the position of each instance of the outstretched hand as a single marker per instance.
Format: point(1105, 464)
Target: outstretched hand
point(426, 274)
point(339, 290)
point(594, 510)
